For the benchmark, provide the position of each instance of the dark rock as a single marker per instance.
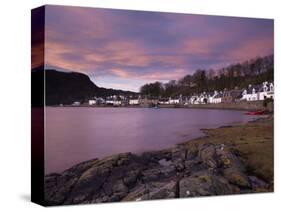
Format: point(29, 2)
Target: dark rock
point(257, 183)
point(207, 153)
point(183, 171)
point(236, 177)
point(131, 178)
point(205, 184)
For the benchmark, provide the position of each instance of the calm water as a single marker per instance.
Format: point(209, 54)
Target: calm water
point(77, 134)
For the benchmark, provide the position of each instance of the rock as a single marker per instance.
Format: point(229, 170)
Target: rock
point(88, 184)
point(56, 194)
point(236, 177)
point(131, 178)
point(140, 192)
point(207, 153)
point(120, 190)
point(151, 174)
point(183, 171)
point(233, 169)
point(164, 162)
point(257, 183)
point(163, 190)
point(154, 190)
point(119, 187)
point(205, 184)
point(124, 159)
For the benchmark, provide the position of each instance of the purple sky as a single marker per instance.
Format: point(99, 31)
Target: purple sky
point(125, 49)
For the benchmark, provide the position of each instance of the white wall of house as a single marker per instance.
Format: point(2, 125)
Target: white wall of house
point(265, 95)
point(76, 103)
point(92, 102)
point(216, 100)
point(116, 102)
point(174, 101)
point(109, 101)
point(251, 97)
point(164, 102)
point(134, 102)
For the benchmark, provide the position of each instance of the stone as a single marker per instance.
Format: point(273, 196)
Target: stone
point(257, 183)
point(140, 192)
point(207, 153)
point(163, 190)
point(131, 178)
point(182, 171)
point(236, 177)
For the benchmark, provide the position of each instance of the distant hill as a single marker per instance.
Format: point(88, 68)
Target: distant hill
point(66, 87)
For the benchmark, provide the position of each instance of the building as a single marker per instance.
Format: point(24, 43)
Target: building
point(231, 96)
point(164, 101)
point(250, 94)
point(266, 91)
point(258, 92)
point(76, 103)
point(134, 102)
point(194, 100)
point(174, 101)
point(92, 102)
point(217, 98)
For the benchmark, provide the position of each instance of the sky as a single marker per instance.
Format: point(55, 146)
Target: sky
point(124, 49)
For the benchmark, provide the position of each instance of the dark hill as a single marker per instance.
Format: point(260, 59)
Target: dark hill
point(66, 87)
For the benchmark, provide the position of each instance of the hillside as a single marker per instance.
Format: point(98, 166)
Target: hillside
point(239, 75)
point(66, 87)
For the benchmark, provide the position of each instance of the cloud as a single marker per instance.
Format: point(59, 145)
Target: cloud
point(111, 45)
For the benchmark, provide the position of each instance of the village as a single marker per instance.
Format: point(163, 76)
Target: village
point(251, 93)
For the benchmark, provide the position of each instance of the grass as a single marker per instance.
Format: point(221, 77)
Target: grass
point(253, 142)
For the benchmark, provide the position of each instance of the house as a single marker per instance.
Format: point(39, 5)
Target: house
point(194, 100)
point(134, 102)
point(250, 94)
point(109, 101)
point(258, 92)
point(231, 96)
point(217, 98)
point(174, 101)
point(203, 98)
point(148, 101)
point(266, 91)
point(92, 102)
point(100, 101)
point(211, 97)
point(76, 103)
point(117, 102)
point(163, 101)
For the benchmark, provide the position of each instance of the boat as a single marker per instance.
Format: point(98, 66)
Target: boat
point(259, 112)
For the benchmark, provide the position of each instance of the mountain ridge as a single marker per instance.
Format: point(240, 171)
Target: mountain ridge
point(66, 87)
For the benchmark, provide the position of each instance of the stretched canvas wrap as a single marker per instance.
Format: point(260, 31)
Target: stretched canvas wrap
point(136, 105)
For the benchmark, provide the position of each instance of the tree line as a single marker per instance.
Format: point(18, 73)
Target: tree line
point(235, 76)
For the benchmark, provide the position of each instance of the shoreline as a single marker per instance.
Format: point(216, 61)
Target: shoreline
point(241, 106)
point(224, 161)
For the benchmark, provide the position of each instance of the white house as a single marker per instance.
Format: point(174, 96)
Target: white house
point(217, 98)
point(117, 102)
point(92, 102)
point(203, 98)
point(109, 101)
point(173, 101)
point(261, 92)
point(212, 98)
point(134, 102)
point(76, 103)
point(250, 94)
point(163, 101)
point(266, 91)
point(194, 100)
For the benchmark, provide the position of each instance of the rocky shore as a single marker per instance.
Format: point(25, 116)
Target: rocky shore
point(228, 160)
